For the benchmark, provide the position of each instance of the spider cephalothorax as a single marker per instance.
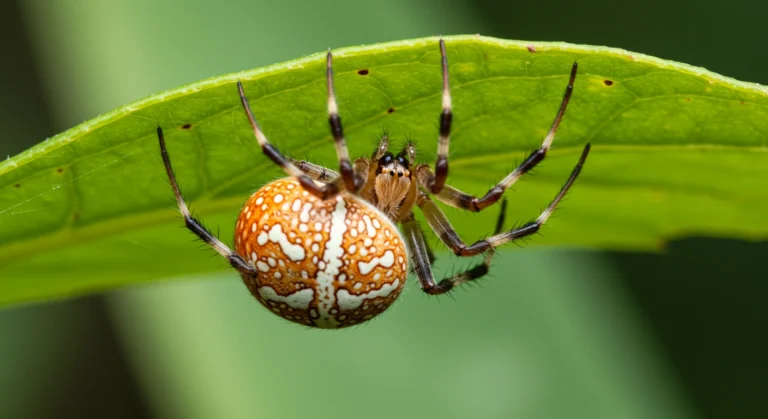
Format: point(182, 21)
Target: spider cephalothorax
point(322, 248)
point(391, 184)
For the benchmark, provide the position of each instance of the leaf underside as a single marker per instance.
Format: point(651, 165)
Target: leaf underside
point(677, 151)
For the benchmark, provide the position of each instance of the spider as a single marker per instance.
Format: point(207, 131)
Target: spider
point(321, 247)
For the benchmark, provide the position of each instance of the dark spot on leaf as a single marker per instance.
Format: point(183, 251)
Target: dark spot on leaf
point(60, 170)
point(531, 48)
point(608, 82)
point(186, 126)
point(741, 101)
point(688, 99)
point(363, 72)
point(18, 185)
point(76, 216)
point(390, 110)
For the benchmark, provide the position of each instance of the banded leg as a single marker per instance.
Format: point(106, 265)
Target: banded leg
point(316, 171)
point(324, 174)
point(456, 198)
point(435, 183)
point(323, 191)
point(351, 179)
point(194, 224)
point(421, 254)
point(439, 222)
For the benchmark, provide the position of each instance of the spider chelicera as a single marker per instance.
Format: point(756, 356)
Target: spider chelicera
point(321, 247)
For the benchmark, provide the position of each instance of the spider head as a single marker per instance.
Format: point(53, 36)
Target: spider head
point(393, 180)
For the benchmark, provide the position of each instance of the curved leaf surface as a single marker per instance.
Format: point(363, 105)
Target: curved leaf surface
point(676, 151)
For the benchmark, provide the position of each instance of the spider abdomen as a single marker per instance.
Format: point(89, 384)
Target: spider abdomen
point(327, 264)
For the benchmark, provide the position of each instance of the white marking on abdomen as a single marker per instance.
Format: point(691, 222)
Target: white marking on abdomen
point(304, 216)
point(386, 261)
point(326, 295)
point(369, 226)
point(298, 300)
point(349, 301)
point(293, 251)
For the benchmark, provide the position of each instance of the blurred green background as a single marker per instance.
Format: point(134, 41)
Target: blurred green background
point(554, 333)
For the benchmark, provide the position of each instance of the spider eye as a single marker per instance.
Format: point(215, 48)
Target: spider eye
point(391, 172)
point(403, 161)
point(386, 159)
point(399, 174)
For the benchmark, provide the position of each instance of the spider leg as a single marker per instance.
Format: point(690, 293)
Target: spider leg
point(351, 179)
point(323, 190)
point(439, 222)
point(324, 174)
point(419, 251)
point(426, 280)
point(409, 151)
point(435, 183)
point(456, 198)
point(315, 171)
point(381, 148)
point(194, 224)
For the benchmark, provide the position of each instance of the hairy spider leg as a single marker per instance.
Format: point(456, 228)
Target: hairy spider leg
point(436, 182)
point(422, 258)
point(351, 181)
point(194, 225)
point(456, 198)
point(322, 190)
point(316, 171)
point(442, 226)
point(324, 174)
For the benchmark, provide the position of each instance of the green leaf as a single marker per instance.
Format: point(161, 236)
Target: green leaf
point(676, 151)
